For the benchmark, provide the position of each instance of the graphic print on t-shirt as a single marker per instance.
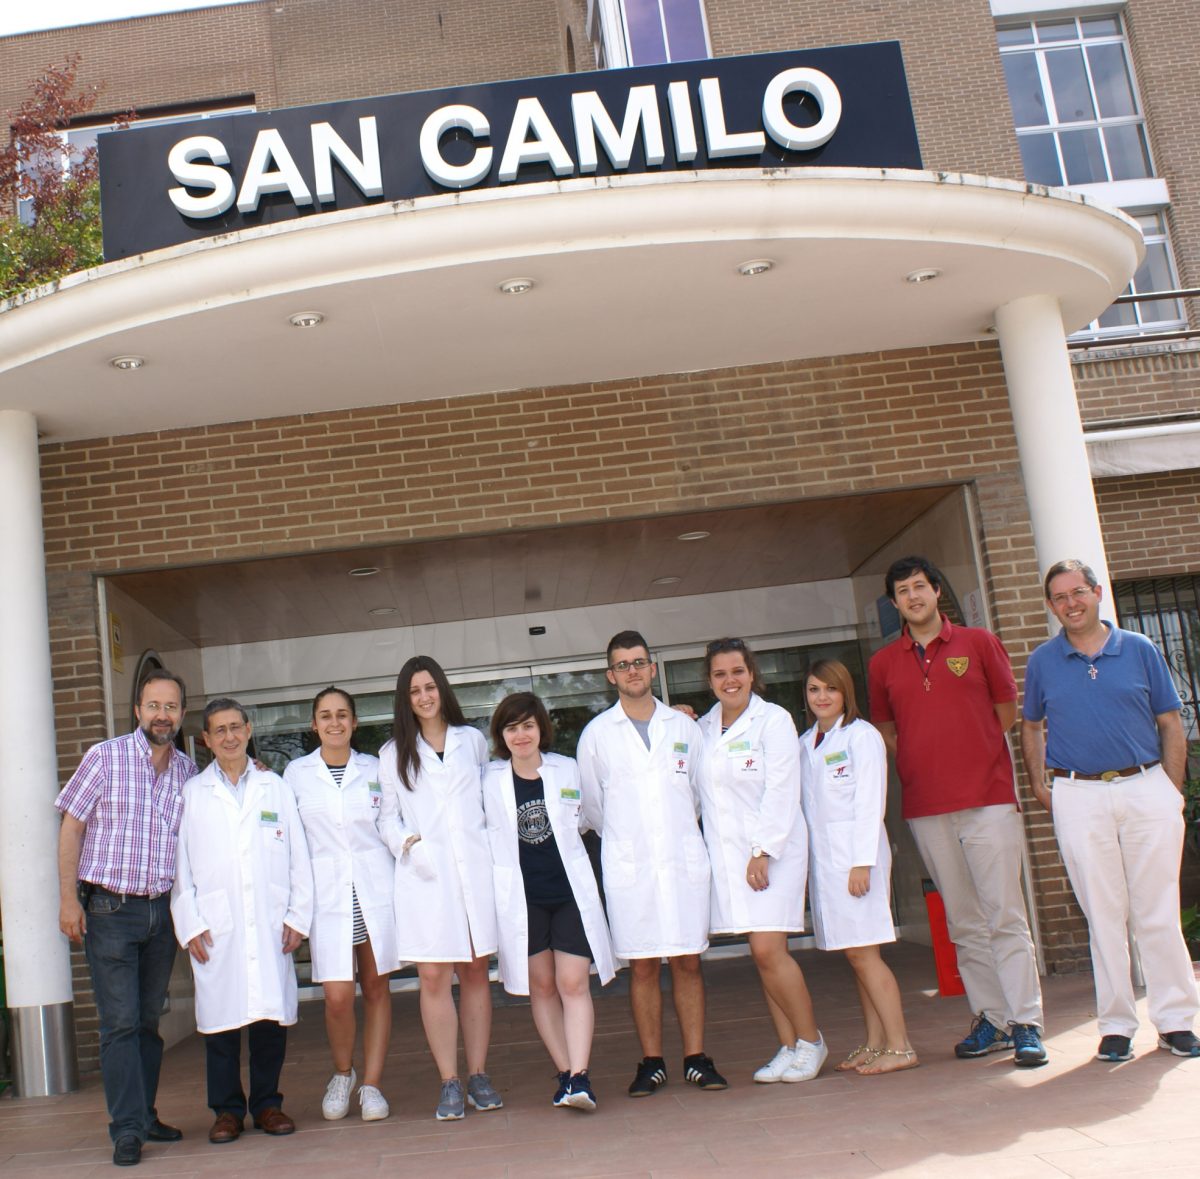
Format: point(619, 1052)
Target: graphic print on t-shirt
point(533, 824)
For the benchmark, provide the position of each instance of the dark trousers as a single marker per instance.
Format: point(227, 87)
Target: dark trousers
point(223, 1056)
point(130, 948)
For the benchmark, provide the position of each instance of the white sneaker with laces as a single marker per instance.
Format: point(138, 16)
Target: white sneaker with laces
point(774, 1069)
point(336, 1102)
point(374, 1104)
point(807, 1059)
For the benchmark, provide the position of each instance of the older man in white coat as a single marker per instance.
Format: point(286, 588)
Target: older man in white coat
point(242, 903)
point(638, 762)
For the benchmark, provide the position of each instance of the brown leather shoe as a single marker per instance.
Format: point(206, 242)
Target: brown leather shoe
point(227, 1128)
point(274, 1121)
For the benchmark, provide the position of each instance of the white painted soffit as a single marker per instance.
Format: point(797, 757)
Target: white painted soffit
point(1142, 450)
point(634, 276)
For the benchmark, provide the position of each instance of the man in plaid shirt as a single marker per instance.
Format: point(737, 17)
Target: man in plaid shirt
point(116, 863)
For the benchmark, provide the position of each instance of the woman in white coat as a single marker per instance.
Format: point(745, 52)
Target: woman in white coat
point(445, 910)
point(845, 790)
point(354, 929)
point(758, 846)
point(551, 922)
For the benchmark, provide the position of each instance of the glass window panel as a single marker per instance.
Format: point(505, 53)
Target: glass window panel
point(1118, 315)
point(1110, 77)
point(1040, 159)
point(1155, 274)
point(646, 45)
point(1056, 30)
point(1101, 26)
point(1069, 85)
point(1082, 157)
point(1025, 90)
point(572, 698)
point(1128, 158)
point(685, 29)
point(1020, 35)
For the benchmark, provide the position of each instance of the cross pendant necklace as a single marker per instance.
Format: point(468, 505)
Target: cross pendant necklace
point(1092, 672)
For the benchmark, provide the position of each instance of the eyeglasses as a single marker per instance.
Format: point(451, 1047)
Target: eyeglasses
point(625, 665)
point(153, 706)
point(1079, 594)
point(223, 731)
point(717, 646)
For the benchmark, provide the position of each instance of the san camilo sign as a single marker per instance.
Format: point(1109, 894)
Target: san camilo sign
point(846, 106)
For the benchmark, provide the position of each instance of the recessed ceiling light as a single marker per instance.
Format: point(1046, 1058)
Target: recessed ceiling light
point(928, 274)
point(306, 319)
point(756, 266)
point(383, 611)
point(127, 363)
point(666, 581)
point(517, 286)
point(699, 534)
point(364, 571)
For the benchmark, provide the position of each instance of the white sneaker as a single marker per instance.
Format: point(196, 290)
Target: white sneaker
point(336, 1102)
point(374, 1104)
point(806, 1060)
point(774, 1069)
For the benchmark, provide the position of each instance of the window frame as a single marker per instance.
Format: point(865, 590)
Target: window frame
point(608, 30)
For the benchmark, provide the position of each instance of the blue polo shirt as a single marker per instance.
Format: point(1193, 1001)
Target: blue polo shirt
point(1101, 722)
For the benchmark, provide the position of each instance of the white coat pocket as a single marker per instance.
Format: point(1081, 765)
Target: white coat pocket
point(617, 860)
point(419, 861)
point(215, 911)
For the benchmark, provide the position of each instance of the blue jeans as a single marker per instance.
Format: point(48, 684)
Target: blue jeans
point(130, 947)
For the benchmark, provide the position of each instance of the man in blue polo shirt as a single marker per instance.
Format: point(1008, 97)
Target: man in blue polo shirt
point(1108, 763)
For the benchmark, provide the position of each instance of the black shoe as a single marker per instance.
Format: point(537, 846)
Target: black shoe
point(1114, 1049)
point(564, 1087)
point(160, 1132)
point(651, 1075)
point(1179, 1043)
point(700, 1071)
point(127, 1151)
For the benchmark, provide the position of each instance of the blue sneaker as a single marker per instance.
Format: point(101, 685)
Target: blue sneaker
point(564, 1087)
point(984, 1037)
point(581, 1095)
point(1028, 1049)
point(1179, 1043)
point(1115, 1049)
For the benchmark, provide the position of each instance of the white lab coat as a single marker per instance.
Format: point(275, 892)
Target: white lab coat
point(844, 795)
point(750, 796)
point(560, 782)
point(348, 857)
point(242, 874)
point(445, 908)
point(644, 802)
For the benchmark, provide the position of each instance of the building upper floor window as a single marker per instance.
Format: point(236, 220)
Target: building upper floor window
point(1156, 273)
point(1074, 100)
point(647, 32)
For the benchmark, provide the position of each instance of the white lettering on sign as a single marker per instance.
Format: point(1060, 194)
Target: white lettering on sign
point(592, 121)
point(721, 142)
point(217, 183)
point(545, 146)
point(444, 119)
point(364, 171)
point(683, 124)
point(781, 129)
point(261, 178)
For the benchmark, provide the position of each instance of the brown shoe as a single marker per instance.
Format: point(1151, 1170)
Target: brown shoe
point(274, 1121)
point(227, 1128)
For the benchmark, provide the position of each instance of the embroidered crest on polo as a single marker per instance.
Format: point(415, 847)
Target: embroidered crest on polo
point(958, 664)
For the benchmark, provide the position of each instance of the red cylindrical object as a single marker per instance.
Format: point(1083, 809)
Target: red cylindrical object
point(945, 957)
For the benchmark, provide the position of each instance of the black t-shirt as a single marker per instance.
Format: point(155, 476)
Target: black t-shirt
point(546, 881)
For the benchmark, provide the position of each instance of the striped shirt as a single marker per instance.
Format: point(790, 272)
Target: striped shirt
point(131, 814)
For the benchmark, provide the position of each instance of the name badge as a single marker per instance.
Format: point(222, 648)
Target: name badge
point(269, 818)
point(569, 793)
point(376, 795)
point(679, 747)
point(737, 748)
point(834, 759)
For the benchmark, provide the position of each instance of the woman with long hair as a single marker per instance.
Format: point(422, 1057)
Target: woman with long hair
point(758, 846)
point(551, 921)
point(445, 914)
point(353, 928)
point(845, 792)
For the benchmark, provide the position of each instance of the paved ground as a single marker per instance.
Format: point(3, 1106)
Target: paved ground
point(961, 1119)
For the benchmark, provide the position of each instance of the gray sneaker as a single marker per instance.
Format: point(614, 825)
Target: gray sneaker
point(480, 1093)
point(450, 1106)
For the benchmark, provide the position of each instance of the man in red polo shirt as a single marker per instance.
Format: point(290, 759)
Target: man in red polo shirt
point(943, 696)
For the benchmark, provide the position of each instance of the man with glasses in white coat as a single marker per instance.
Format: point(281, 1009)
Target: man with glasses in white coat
point(638, 762)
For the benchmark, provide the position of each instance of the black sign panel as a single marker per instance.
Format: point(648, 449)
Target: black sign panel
point(184, 181)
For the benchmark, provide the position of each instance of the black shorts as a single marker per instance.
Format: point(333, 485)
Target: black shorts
point(557, 927)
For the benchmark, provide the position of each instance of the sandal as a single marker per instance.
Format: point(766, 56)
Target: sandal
point(857, 1056)
point(908, 1055)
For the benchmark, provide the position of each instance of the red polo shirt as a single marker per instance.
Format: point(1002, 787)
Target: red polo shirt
point(951, 753)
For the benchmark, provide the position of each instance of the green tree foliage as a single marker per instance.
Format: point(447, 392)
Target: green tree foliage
point(60, 229)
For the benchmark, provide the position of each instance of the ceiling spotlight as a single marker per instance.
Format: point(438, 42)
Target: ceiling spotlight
point(306, 319)
point(383, 611)
point(364, 571)
point(127, 363)
point(756, 266)
point(516, 286)
point(928, 274)
point(666, 581)
point(697, 535)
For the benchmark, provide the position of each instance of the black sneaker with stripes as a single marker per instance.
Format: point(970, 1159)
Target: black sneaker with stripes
point(699, 1069)
point(651, 1075)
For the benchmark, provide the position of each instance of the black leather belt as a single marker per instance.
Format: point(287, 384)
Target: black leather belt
point(1106, 775)
point(125, 896)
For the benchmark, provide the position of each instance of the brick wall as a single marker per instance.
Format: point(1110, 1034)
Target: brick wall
point(1150, 523)
point(1133, 387)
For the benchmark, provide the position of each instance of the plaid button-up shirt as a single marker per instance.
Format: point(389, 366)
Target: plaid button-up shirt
point(132, 814)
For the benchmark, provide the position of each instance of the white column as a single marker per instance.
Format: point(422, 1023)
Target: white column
point(1054, 462)
point(37, 964)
